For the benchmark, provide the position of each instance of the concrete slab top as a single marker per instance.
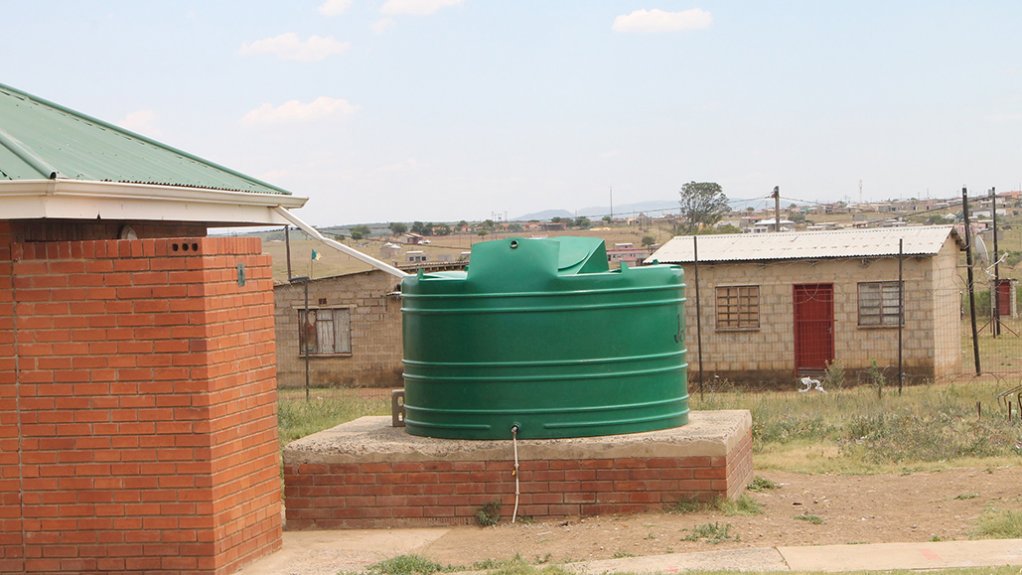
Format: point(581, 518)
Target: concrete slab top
point(373, 439)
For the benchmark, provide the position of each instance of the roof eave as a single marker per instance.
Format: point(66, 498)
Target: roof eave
point(91, 200)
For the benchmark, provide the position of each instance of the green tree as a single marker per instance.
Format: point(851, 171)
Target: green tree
point(648, 241)
point(419, 228)
point(582, 222)
point(703, 204)
point(397, 228)
point(360, 231)
point(442, 230)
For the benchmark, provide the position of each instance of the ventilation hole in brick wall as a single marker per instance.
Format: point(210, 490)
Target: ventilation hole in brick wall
point(195, 247)
point(173, 247)
point(184, 247)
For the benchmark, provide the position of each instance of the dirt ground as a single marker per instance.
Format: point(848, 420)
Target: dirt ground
point(853, 509)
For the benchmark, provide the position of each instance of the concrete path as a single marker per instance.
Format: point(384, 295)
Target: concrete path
point(328, 552)
point(832, 558)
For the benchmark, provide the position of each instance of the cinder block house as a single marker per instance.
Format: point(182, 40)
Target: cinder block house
point(776, 306)
point(353, 331)
point(138, 428)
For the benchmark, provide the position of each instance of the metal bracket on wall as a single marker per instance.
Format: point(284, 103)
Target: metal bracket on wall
point(397, 408)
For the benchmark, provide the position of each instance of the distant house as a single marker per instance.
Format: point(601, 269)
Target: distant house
point(780, 305)
point(413, 238)
point(626, 252)
point(769, 225)
point(353, 331)
point(389, 251)
point(554, 226)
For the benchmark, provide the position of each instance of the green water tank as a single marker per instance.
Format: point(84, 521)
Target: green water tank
point(539, 334)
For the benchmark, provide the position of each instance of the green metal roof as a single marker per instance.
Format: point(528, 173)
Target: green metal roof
point(43, 140)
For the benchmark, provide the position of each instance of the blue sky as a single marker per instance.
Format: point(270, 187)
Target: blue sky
point(400, 110)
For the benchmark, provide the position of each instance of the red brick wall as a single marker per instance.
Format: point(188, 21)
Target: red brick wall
point(143, 400)
point(355, 495)
point(11, 550)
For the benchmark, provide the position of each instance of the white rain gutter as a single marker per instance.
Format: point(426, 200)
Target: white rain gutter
point(282, 212)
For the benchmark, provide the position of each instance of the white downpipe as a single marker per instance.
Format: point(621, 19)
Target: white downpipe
point(338, 245)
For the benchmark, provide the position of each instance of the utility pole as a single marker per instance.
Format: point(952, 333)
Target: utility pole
point(777, 208)
point(287, 247)
point(995, 296)
point(972, 292)
point(612, 203)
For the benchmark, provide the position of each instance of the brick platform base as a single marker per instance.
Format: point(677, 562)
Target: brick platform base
point(368, 474)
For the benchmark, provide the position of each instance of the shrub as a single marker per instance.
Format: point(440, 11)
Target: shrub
point(406, 565)
point(834, 375)
point(488, 514)
point(711, 533)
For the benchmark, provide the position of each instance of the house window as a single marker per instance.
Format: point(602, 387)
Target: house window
point(324, 332)
point(879, 304)
point(738, 307)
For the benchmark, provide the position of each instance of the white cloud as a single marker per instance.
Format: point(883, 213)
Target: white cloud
point(415, 7)
point(653, 21)
point(290, 46)
point(382, 25)
point(294, 111)
point(141, 121)
point(334, 7)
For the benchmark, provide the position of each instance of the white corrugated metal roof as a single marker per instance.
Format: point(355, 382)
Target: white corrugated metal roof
point(919, 240)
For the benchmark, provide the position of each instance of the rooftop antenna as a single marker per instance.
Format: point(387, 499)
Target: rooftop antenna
point(860, 190)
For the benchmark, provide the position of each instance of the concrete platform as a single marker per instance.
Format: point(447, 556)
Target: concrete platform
point(366, 473)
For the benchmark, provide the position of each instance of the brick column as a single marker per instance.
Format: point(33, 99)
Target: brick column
point(146, 398)
point(11, 550)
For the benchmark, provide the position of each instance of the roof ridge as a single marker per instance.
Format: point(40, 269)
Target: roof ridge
point(123, 132)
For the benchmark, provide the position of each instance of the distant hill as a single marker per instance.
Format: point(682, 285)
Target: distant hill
point(545, 215)
point(652, 208)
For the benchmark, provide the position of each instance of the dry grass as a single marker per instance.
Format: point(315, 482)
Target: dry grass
point(334, 263)
point(854, 431)
point(326, 408)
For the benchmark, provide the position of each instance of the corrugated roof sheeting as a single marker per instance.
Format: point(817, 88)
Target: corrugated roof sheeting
point(38, 138)
point(877, 242)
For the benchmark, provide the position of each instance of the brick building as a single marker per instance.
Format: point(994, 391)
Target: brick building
point(778, 305)
point(138, 427)
point(354, 326)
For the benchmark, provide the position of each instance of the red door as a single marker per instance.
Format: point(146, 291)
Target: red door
point(814, 326)
point(1004, 297)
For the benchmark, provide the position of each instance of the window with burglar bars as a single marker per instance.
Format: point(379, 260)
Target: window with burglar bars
point(324, 332)
point(737, 307)
point(879, 304)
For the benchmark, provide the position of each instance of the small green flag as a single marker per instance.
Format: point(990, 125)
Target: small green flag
point(315, 256)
